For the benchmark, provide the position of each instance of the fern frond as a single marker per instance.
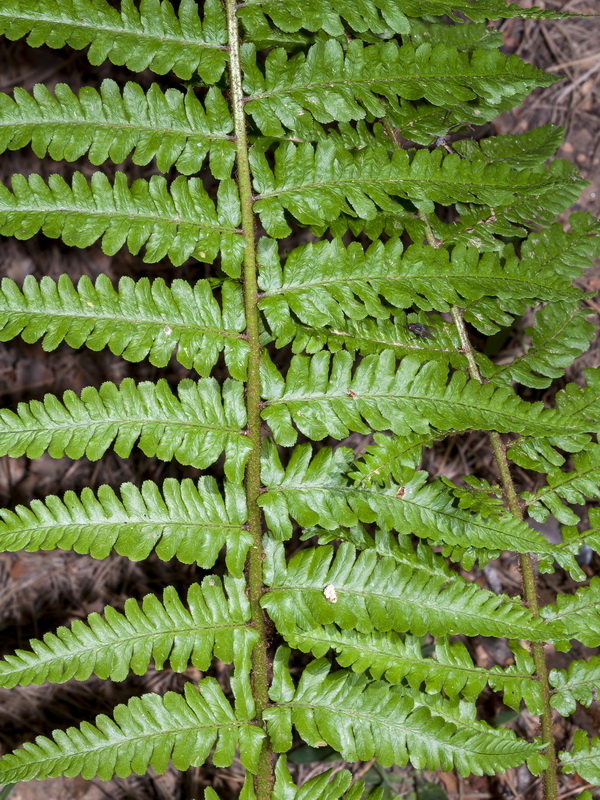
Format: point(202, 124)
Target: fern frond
point(565, 253)
point(579, 614)
point(335, 84)
point(112, 645)
point(152, 36)
point(380, 594)
point(361, 719)
point(364, 16)
point(522, 151)
point(330, 785)
point(326, 282)
point(584, 760)
point(140, 319)
point(368, 336)
point(422, 122)
point(479, 226)
point(183, 520)
point(323, 398)
point(561, 334)
point(317, 491)
point(393, 658)
point(317, 184)
point(381, 17)
point(173, 127)
point(388, 458)
point(148, 731)
point(576, 401)
point(576, 486)
point(177, 221)
point(578, 684)
point(572, 542)
point(195, 428)
point(468, 36)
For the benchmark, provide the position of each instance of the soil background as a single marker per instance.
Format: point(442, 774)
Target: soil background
point(39, 591)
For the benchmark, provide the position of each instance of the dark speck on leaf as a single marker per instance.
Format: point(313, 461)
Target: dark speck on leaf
point(419, 330)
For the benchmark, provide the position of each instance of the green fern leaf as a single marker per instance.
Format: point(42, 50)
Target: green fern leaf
point(166, 632)
point(388, 458)
point(188, 521)
point(361, 719)
point(370, 336)
point(330, 785)
point(584, 760)
point(141, 319)
point(561, 334)
point(480, 225)
point(522, 151)
point(148, 731)
point(326, 282)
point(480, 11)
point(579, 614)
point(388, 656)
point(500, 85)
point(323, 398)
point(367, 593)
point(573, 541)
point(177, 221)
point(420, 559)
point(576, 486)
point(578, 684)
point(193, 429)
point(170, 126)
point(317, 184)
point(316, 491)
point(468, 37)
point(582, 402)
point(364, 16)
point(558, 252)
point(151, 36)
point(486, 228)
point(335, 84)
point(378, 16)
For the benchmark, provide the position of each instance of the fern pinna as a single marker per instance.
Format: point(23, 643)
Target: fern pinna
point(318, 118)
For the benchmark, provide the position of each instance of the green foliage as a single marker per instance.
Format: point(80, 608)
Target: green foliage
point(172, 127)
point(184, 521)
point(561, 333)
point(583, 759)
point(331, 83)
point(181, 318)
point(152, 35)
point(377, 594)
point(149, 213)
point(323, 397)
point(361, 718)
point(578, 614)
point(148, 731)
point(194, 428)
point(113, 645)
point(314, 122)
point(317, 492)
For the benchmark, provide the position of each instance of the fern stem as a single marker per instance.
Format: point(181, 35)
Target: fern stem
point(260, 680)
point(527, 562)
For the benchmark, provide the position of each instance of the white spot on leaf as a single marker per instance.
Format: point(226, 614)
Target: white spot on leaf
point(330, 593)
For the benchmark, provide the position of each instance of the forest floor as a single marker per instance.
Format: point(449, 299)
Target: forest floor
point(38, 592)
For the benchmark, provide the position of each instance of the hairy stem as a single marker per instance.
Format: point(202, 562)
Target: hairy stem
point(527, 571)
point(260, 680)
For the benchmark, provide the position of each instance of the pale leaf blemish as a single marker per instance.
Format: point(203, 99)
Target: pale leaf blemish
point(330, 593)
